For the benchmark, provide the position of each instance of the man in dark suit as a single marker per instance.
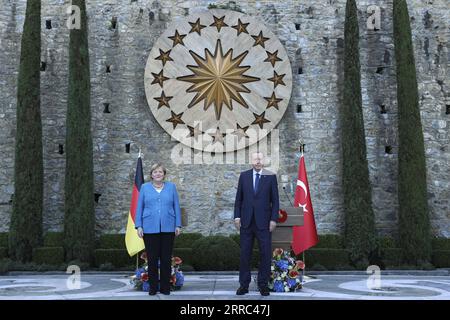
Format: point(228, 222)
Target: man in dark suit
point(255, 215)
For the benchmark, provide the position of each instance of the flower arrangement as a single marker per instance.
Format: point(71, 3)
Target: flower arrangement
point(286, 272)
point(140, 279)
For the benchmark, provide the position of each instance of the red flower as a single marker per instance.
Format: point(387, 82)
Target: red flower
point(293, 274)
point(144, 277)
point(300, 264)
point(282, 216)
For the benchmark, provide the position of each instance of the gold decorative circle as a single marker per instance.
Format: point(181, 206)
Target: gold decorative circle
point(218, 81)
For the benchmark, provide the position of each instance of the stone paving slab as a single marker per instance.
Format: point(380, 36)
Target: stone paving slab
point(116, 286)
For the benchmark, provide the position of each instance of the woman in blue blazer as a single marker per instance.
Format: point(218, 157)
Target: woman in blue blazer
point(158, 221)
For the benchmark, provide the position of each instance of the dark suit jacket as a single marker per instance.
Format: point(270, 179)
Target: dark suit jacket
point(264, 205)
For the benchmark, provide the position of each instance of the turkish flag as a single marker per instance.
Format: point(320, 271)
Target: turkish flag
point(304, 237)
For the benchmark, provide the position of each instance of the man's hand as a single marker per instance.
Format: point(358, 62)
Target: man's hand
point(140, 232)
point(272, 226)
point(177, 231)
point(237, 223)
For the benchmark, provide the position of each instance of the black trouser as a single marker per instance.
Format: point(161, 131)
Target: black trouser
point(264, 237)
point(159, 247)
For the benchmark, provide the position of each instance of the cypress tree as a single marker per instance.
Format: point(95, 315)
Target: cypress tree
point(359, 217)
point(414, 224)
point(26, 219)
point(79, 219)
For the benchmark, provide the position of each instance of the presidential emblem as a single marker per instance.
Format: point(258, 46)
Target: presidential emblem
point(218, 81)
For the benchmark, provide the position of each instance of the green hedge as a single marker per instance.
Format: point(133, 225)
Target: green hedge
point(215, 253)
point(441, 258)
point(440, 243)
point(387, 242)
point(185, 240)
point(48, 255)
point(117, 257)
point(4, 239)
point(53, 239)
point(3, 252)
point(330, 241)
point(391, 256)
point(185, 254)
point(236, 238)
point(328, 258)
point(112, 241)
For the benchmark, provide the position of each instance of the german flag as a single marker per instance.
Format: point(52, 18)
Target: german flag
point(133, 243)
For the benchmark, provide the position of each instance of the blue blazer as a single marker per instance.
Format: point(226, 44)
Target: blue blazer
point(158, 211)
point(264, 205)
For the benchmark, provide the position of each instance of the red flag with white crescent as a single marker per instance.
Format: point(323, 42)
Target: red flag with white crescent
point(304, 237)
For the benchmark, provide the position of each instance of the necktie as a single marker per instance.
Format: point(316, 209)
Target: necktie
point(256, 182)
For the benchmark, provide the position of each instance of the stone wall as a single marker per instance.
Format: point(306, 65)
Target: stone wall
point(121, 35)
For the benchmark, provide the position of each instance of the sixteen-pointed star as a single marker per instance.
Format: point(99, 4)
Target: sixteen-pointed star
point(196, 26)
point(260, 39)
point(159, 78)
point(217, 136)
point(241, 132)
point(175, 119)
point(277, 79)
point(177, 38)
point(272, 101)
point(260, 119)
point(219, 23)
point(164, 56)
point(272, 58)
point(218, 79)
point(241, 27)
point(163, 100)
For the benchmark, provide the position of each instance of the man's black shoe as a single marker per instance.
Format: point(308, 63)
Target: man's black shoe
point(264, 291)
point(241, 291)
point(151, 293)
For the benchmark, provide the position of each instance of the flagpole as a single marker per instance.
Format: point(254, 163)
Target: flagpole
point(137, 260)
point(302, 149)
point(304, 264)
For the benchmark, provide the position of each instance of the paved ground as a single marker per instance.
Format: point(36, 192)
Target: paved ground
point(116, 286)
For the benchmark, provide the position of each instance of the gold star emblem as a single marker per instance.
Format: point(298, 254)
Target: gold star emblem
point(217, 136)
point(196, 27)
point(272, 58)
point(260, 119)
point(164, 56)
point(260, 39)
point(175, 119)
point(177, 38)
point(277, 79)
point(241, 27)
point(272, 101)
point(241, 132)
point(219, 23)
point(194, 131)
point(218, 79)
point(159, 78)
point(163, 100)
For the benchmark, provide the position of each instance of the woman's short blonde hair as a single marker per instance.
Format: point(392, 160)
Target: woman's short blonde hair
point(156, 166)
